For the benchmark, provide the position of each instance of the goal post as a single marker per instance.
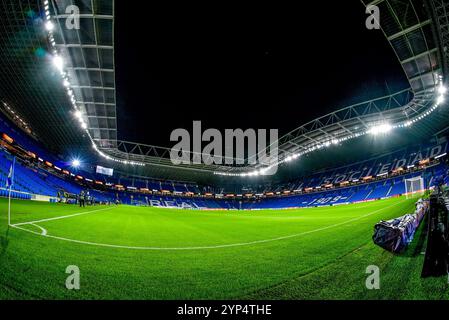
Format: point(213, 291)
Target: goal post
point(414, 187)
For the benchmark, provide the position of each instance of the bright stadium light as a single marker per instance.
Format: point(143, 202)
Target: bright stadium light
point(49, 26)
point(58, 62)
point(382, 128)
point(442, 89)
point(78, 114)
point(440, 99)
point(76, 163)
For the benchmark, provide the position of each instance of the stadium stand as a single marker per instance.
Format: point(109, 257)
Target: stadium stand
point(29, 181)
point(341, 185)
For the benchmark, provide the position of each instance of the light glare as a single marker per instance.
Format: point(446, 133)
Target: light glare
point(382, 128)
point(76, 163)
point(58, 62)
point(49, 26)
point(78, 114)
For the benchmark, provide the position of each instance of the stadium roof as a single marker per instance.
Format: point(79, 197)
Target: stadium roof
point(89, 56)
point(83, 83)
point(28, 83)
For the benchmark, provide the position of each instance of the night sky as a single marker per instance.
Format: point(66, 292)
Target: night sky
point(251, 66)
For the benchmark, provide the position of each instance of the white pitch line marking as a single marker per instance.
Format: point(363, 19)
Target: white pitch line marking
point(44, 231)
point(206, 247)
point(61, 217)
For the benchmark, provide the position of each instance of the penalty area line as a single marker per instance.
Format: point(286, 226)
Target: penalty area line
point(207, 247)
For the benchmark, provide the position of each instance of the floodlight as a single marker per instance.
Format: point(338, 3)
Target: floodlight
point(78, 114)
point(440, 99)
point(58, 62)
point(49, 26)
point(442, 90)
point(76, 163)
point(382, 128)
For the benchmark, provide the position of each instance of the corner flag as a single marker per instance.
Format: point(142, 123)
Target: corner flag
point(9, 183)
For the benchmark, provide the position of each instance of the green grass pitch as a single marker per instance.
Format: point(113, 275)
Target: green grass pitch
point(149, 253)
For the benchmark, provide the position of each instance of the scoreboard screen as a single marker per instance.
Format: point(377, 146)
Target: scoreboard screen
point(105, 171)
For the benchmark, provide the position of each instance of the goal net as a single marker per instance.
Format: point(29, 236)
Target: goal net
point(414, 187)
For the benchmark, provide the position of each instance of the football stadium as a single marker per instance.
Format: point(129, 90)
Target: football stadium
point(344, 201)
